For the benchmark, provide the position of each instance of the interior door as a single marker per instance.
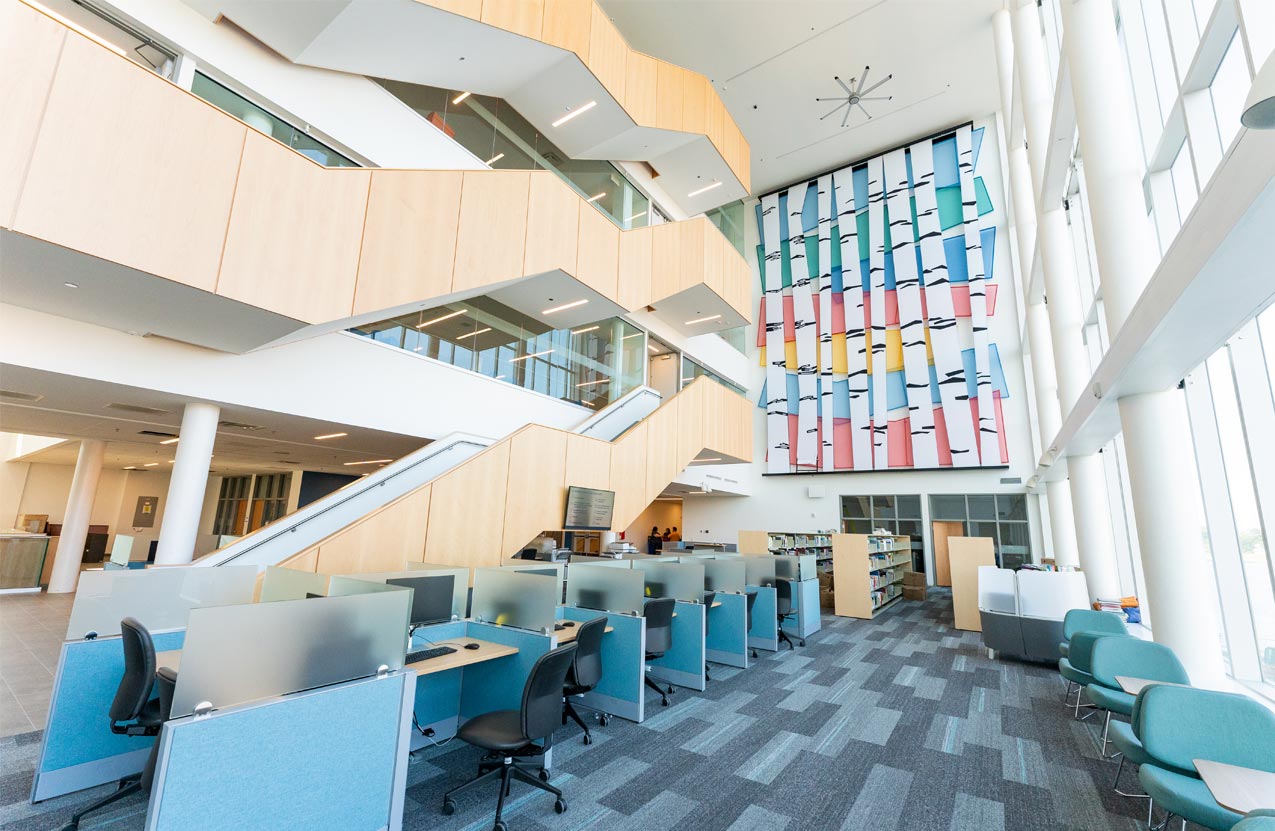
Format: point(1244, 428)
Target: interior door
point(939, 532)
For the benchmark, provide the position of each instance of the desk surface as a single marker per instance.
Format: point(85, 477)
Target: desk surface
point(1235, 788)
point(1133, 686)
point(462, 657)
point(572, 632)
point(171, 659)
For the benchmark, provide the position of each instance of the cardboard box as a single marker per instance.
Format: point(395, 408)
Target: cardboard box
point(914, 578)
point(914, 592)
point(826, 600)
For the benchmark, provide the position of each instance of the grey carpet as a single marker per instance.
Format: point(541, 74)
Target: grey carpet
point(900, 723)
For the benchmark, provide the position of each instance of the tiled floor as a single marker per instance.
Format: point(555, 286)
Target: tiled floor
point(32, 627)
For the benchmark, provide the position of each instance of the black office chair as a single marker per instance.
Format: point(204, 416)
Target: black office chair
point(133, 712)
point(585, 672)
point(752, 600)
point(784, 589)
point(508, 735)
point(708, 609)
point(658, 612)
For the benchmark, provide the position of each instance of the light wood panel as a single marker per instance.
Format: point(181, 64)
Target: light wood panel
point(409, 238)
point(666, 260)
point(522, 17)
point(588, 463)
point(628, 476)
point(636, 265)
point(695, 94)
point(598, 255)
point(690, 424)
point(486, 651)
point(30, 45)
point(295, 233)
point(469, 8)
point(307, 560)
point(566, 24)
point(466, 511)
point(493, 228)
point(641, 97)
point(151, 189)
point(966, 555)
point(1236, 788)
point(670, 85)
point(690, 252)
point(939, 534)
point(717, 118)
point(553, 225)
point(608, 53)
point(535, 496)
point(381, 541)
point(754, 542)
point(661, 447)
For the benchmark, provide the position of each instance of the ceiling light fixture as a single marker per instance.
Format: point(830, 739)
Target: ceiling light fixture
point(702, 461)
point(150, 464)
point(532, 355)
point(591, 383)
point(702, 319)
point(855, 96)
point(71, 285)
point(583, 108)
point(596, 197)
point(588, 403)
point(565, 306)
point(636, 216)
point(461, 97)
point(634, 335)
point(369, 462)
point(170, 441)
point(586, 329)
point(131, 467)
point(498, 377)
point(71, 25)
point(651, 347)
point(705, 189)
point(474, 334)
point(439, 319)
point(330, 436)
point(494, 159)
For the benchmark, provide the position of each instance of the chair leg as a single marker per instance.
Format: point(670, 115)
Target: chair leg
point(1115, 786)
point(707, 677)
point(535, 781)
point(783, 638)
point(1067, 694)
point(663, 695)
point(570, 712)
point(127, 787)
point(464, 786)
point(1106, 727)
point(505, 771)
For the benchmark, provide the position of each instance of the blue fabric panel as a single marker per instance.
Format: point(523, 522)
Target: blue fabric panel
point(841, 399)
point(865, 277)
point(761, 234)
point(761, 397)
point(806, 620)
point(78, 728)
point(319, 760)
point(497, 684)
point(890, 284)
point(935, 398)
point(727, 624)
point(998, 371)
point(438, 694)
point(896, 390)
point(946, 172)
point(958, 269)
point(907, 161)
point(987, 239)
point(687, 651)
point(794, 392)
point(810, 210)
point(623, 657)
point(765, 620)
point(783, 216)
point(860, 178)
point(971, 373)
point(976, 144)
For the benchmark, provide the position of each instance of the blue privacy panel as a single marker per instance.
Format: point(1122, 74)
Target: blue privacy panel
point(806, 621)
point(683, 663)
point(623, 660)
point(79, 750)
point(727, 638)
point(497, 684)
point(319, 760)
point(765, 631)
point(438, 693)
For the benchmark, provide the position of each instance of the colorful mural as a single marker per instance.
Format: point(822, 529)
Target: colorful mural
point(877, 293)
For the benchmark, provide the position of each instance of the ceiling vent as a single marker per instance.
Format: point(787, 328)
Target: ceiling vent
point(159, 433)
point(239, 425)
point(136, 408)
point(14, 395)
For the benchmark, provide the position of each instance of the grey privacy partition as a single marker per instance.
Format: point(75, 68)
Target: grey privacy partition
point(617, 593)
point(801, 570)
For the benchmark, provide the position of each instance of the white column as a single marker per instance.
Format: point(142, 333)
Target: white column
point(186, 488)
point(1163, 486)
point(1062, 523)
point(75, 519)
point(1094, 536)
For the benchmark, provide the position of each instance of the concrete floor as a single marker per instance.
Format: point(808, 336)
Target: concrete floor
point(32, 628)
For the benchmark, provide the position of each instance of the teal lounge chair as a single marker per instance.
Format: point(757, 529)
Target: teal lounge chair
point(1134, 658)
point(1089, 620)
point(1076, 666)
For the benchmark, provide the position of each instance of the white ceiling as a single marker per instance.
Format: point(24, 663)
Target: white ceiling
point(76, 408)
point(770, 59)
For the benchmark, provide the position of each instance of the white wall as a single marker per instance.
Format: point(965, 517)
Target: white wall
point(663, 513)
point(783, 502)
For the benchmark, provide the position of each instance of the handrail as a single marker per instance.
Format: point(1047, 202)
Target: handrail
point(643, 401)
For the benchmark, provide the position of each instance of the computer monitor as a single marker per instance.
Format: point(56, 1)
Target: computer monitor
point(654, 588)
point(309, 595)
point(431, 597)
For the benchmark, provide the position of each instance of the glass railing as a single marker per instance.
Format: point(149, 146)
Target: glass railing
point(494, 132)
point(231, 102)
point(591, 364)
point(729, 219)
point(693, 369)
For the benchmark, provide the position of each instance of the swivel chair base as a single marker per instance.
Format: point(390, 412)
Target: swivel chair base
point(569, 712)
point(504, 767)
point(664, 692)
point(125, 787)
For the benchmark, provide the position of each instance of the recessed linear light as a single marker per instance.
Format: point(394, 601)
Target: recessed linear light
point(131, 467)
point(702, 319)
point(474, 334)
point(532, 355)
point(150, 464)
point(653, 348)
point(439, 319)
point(634, 335)
point(330, 436)
point(71, 285)
point(583, 108)
point(596, 197)
point(589, 404)
point(71, 25)
point(174, 461)
point(591, 383)
point(369, 462)
point(460, 97)
point(702, 461)
point(635, 216)
point(565, 306)
point(170, 441)
point(704, 189)
point(687, 380)
point(494, 159)
point(498, 377)
point(586, 329)
point(691, 493)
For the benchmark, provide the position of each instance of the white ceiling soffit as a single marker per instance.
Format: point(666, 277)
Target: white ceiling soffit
point(770, 59)
point(697, 310)
point(404, 40)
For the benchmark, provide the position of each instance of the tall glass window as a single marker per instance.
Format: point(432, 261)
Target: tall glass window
point(1002, 517)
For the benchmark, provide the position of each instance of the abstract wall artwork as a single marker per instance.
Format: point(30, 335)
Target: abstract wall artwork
point(877, 294)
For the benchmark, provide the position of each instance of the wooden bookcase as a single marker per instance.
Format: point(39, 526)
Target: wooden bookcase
point(868, 572)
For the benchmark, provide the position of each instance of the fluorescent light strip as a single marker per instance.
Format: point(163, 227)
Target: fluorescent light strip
point(370, 462)
point(702, 461)
point(635, 216)
point(702, 319)
point(330, 436)
point(150, 464)
point(474, 334)
point(494, 159)
point(591, 383)
point(532, 355)
point(704, 189)
point(597, 197)
point(566, 306)
point(169, 441)
point(461, 97)
point(583, 108)
point(77, 27)
point(687, 380)
point(634, 335)
point(586, 329)
point(439, 319)
point(651, 347)
point(589, 404)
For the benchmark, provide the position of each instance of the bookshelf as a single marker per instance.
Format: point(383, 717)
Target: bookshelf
point(868, 572)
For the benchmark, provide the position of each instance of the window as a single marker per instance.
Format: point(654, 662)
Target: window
point(269, 499)
point(232, 505)
point(899, 515)
point(1003, 517)
point(693, 369)
point(1228, 90)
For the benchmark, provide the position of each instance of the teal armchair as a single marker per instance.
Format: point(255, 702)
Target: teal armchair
point(1089, 620)
point(1075, 668)
point(1181, 724)
point(1132, 657)
point(1262, 820)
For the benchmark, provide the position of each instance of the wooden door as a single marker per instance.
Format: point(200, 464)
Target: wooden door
point(939, 532)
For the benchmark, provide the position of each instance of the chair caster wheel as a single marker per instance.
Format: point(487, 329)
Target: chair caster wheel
point(604, 719)
point(664, 702)
point(803, 641)
point(449, 807)
point(500, 826)
point(544, 775)
point(670, 690)
point(560, 806)
point(588, 739)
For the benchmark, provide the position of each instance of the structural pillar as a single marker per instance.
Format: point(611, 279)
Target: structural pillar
point(75, 519)
point(1163, 486)
point(186, 488)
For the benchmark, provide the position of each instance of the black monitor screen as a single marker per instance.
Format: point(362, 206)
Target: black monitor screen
point(311, 595)
point(431, 597)
point(588, 509)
